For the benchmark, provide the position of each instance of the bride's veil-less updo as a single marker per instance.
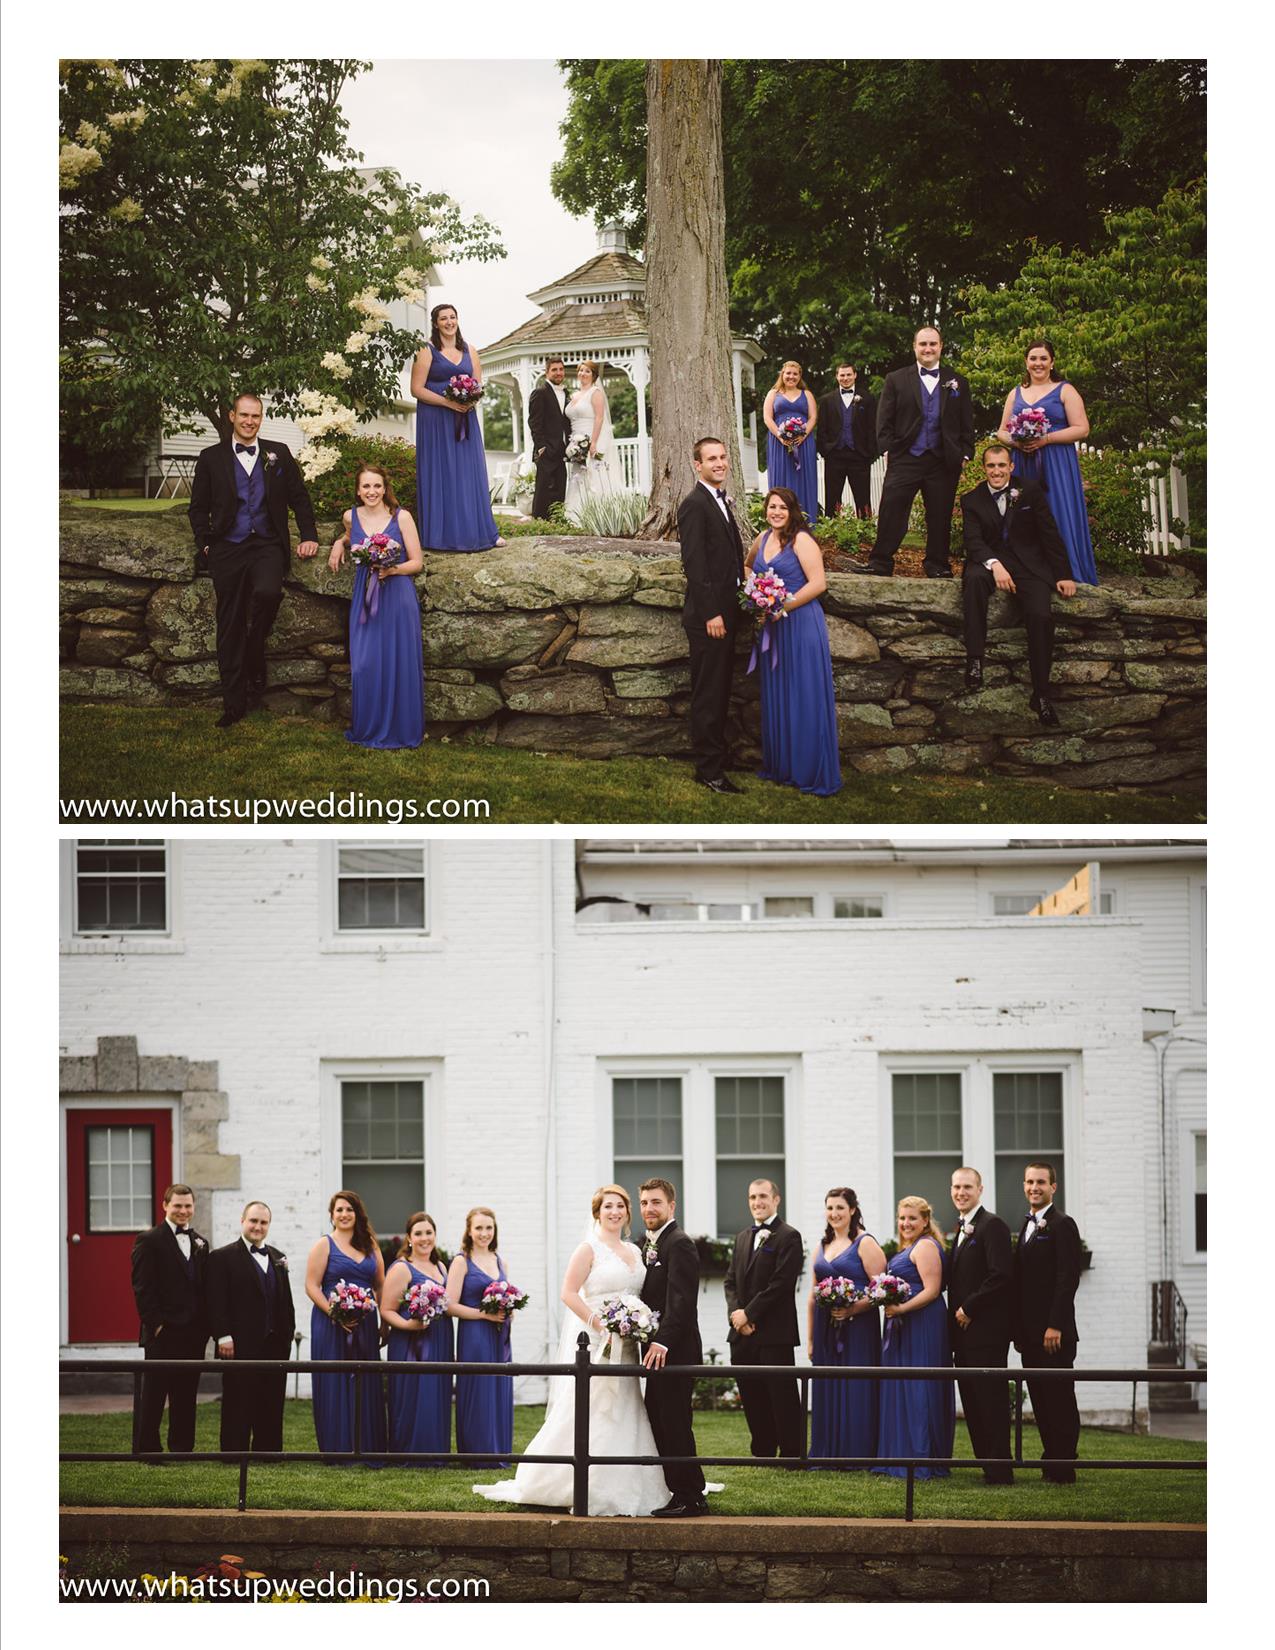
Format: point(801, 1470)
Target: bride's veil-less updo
point(616, 1191)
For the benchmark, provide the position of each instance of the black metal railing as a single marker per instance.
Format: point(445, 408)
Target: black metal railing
point(582, 1371)
point(1168, 1319)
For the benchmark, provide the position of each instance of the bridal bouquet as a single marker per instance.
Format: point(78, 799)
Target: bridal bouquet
point(502, 1296)
point(349, 1304)
point(463, 391)
point(628, 1317)
point(789, 432)
point(578, 450)
point(424, 1302)
point(1029, 425)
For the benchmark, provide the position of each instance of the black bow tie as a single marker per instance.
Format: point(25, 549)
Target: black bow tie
point(257, 1248)
point(764, 1227)
point(182, 1231)
point(240, 448)
point(999, 492)
point(929, 372)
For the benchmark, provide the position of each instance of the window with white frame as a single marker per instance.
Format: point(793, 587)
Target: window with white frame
point(120, 1161)
point(1027, 1115)
point(926, 1113)
point(788, 905)
point(383, 1146)
point(1015, 905)
point(646, 1130)
point(749, 1117)
point(854, 906)
point(121, 886)
point(381, 888)
point(1200, 1211)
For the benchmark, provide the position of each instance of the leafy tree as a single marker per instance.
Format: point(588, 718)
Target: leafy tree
point(1128, 321)
point(217, 233)
point(105, 420)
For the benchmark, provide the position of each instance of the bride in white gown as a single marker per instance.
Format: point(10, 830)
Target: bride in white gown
point(590, 416)
point(604, 1265)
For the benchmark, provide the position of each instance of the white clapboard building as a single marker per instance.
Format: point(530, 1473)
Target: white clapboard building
point(452, 1022)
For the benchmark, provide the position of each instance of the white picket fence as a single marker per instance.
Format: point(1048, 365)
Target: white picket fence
point(1163, 499)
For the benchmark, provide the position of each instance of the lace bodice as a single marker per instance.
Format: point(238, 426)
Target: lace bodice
point(580, 412)
point(610, 1275)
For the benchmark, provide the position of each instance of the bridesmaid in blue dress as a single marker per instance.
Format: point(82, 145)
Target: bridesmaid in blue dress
point(350, 1253)
point(917, 1417)
point(387, 671)
point(484, 1403)
point(794, 465)
point(1052, 459)
point(453, 499)
point(420, 1405)
point(798, 702)
point(843, 1414)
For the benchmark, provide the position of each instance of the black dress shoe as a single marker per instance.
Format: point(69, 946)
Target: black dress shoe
point(1046, 714)
point(730, 785)
point(256, 693)
point(722, 787)
point(228, 718)
point(973, 673)
point(674, 1509)
point(945, 574)
point(872, 572)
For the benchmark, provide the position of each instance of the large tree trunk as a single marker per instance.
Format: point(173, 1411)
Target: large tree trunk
point(686, 295)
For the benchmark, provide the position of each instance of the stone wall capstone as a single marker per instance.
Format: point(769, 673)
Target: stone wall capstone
point(575, 645)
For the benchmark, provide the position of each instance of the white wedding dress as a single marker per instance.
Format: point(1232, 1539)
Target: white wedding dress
point(618, 1423)
point(597, 477)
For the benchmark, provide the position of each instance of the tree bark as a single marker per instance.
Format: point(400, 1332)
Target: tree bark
point(686, 291)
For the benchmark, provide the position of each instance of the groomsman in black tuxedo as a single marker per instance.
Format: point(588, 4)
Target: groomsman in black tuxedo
point(1043, 1316)
point(1012, 543)
point(713, 559)
point(846, 437)
point(761, 1299)
point(978, 1306)
point(671, 1288)
point(239, 503)
point(168, 1265)
point(252, 1315)
point(550, 432)
point(925, 424)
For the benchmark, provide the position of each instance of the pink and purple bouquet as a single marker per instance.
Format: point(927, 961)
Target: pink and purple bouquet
point(763, 595)
point(629, 1318)
point(463, 391)
point(834, 1292)
point(1029, 424)
point(378, 550)
point(887, 1290)
point(789, 431)
point(349, 1304)
point(502, 1296)
point(425, 1302)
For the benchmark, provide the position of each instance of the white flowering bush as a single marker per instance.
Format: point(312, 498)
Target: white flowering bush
point(336, 364)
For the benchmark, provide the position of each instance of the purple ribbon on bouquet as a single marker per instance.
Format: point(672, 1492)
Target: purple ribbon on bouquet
point(462, 429)
point(885, 1338)
point(372, 592)
point(762, 644)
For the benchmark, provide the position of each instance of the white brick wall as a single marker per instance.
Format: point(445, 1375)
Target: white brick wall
point(513, 1010)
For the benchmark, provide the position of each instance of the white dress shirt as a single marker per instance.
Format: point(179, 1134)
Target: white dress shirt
point(967, 1223)
point(721, 505)
point(248, 461)
point(1034, 1221)
point(183, 1238)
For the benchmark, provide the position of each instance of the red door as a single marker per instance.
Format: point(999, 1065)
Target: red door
point(118, 1163)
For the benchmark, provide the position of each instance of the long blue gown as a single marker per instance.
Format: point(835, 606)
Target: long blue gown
point(334, 1394)
point(484, 1403)
point(798, 701)
point(453, 500)
point(917, 1417)
point(387, 671)
point(843, 1414)
point(1057, 468)
point(800, 473)
point(421, 1405)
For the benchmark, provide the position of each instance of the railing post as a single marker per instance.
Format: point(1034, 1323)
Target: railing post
point(804, 1382)
point(138, 1377)
point(1018, 1420)
point(243, 1484)
point(1133, 1410)
point(580, 1474)
point(909, 1505)
point(358, 1416)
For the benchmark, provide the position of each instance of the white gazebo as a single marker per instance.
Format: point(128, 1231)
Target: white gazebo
point(598, 312)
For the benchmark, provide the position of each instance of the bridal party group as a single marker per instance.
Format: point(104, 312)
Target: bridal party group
point(924, 1306)
point(1025, 533)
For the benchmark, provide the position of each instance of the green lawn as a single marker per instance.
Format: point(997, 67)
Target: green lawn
point(129, 754)
point(1161, 1497)
point(148, 505)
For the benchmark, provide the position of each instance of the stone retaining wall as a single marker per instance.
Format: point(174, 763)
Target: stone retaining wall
point(532, 1557)
point(576, 645)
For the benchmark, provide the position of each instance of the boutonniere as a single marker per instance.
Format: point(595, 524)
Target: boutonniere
point(650, 1254)
point(759, 1238)
point(281, 1261)
point(200, 1244)
point(1013, 494)
point(952, 386)
point(271, 458)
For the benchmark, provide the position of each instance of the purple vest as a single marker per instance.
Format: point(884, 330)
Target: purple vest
point(847, 420)
point(251, 517)
point(929, 440)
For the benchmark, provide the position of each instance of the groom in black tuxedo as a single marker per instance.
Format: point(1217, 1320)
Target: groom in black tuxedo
point(978, 1309)
point(550, 432)
point(760, 1297)
point(239, 502)
point(168, 1267)
point(713, 560)
point(1047, 1268)
point(1012, 543)
point(925, 424)
point(846, 438)
point(250, 1306)
point(671, 1288)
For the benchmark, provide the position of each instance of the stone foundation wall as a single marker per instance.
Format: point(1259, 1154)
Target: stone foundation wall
point(576, 645)
point(533, 1557)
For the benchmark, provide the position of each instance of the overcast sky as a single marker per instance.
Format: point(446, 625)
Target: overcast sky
point(495, 161)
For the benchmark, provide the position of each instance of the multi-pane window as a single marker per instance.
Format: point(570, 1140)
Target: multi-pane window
point(789, 905)
point(860, 905)
point(1015, 905)
point(381, 888)
point(383, 1147)
point(121, 1177)
point(927, 1137)
point(121, 886)
point(1027, 1111)
point(1201, 1193)
point(646, 1123)
point(750, 1143)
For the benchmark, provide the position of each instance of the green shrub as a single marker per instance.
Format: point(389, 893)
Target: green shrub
point(846, 532)
point(613, 516)
point(332, 494)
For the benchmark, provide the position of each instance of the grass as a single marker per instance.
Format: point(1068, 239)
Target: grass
point(1119, 1497)
point(125, 754)
point(146, 505)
